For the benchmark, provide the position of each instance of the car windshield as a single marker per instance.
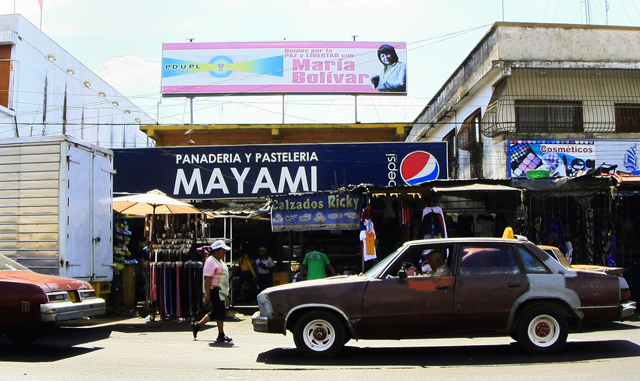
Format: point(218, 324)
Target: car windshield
point(376, 271)
point(7, 264)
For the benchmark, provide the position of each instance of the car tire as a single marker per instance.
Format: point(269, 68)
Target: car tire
point(23, 336)
point(319, 335)
point(542, 330)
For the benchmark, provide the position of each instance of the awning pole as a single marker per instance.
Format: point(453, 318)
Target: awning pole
point(290, 252)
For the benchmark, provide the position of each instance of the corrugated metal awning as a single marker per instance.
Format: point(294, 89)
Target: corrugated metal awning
point(476, 188)
point(244, 210)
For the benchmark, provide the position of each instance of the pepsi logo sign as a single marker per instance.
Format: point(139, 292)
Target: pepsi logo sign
point(419, 167)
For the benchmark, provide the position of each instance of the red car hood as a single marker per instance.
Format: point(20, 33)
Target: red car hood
point(46, 282)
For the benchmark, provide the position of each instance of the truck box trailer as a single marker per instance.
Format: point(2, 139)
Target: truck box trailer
point(56, 212)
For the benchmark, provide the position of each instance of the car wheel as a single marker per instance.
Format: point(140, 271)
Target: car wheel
point(542, 330)
point(319, 334)
point(23, 335)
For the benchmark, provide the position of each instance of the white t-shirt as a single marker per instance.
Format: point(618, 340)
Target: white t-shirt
point(267, 262)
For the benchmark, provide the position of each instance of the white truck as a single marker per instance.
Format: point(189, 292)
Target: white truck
point(56, 212)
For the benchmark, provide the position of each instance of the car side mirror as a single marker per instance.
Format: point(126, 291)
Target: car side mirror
point(402, 275)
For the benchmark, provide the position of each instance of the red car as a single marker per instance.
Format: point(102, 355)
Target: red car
point(30, 301)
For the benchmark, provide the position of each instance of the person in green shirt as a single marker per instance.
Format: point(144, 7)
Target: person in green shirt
point(314, 263)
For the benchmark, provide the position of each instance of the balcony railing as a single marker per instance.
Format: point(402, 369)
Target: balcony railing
point(565, 101)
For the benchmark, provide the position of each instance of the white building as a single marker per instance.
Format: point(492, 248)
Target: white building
point(568, 93)
point(46, 91)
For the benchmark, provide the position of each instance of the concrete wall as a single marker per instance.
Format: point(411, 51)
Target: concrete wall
point(590, 43)
point(40, 86)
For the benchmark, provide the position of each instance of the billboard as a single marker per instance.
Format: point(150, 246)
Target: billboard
point(571, 157)
point(228, 172)
point(192, 69)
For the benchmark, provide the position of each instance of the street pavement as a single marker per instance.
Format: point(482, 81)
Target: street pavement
point(130, 348)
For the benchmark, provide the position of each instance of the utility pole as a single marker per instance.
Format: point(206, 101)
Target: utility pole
point(587, 11)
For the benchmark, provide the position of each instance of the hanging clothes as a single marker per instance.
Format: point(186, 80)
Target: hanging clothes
point(368, 239)
point(388, 208)
point(433, 223)
point(487, 223)
point(404, 213)
point(465, 225)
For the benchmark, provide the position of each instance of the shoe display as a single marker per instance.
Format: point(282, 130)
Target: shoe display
point(195, 327)
point(224, 339)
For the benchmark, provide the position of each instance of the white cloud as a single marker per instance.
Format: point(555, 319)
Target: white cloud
point(134, 77)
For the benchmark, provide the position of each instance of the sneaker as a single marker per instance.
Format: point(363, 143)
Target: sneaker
point(195, 327)
point(223, 339)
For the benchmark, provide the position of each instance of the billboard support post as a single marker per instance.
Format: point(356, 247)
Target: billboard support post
point(356, 99)
point(282, 108)
point(191, 104)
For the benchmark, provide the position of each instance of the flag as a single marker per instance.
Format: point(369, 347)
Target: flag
point(40, 1)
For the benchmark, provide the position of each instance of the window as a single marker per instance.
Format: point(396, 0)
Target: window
point(488, 260)
point(469, 139)
point(452, 154)
point(548, 116)
point(6, 69)
point(627, 117)
point(469, 133)
point(532, 265)
point(414, 259)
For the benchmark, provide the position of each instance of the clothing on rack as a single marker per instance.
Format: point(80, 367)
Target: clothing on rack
point(433, 223)
point(368, 239)
point(404, 213)
point(487, 223)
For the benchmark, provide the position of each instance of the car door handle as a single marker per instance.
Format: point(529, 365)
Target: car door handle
point(514, 285)
point(442, 287)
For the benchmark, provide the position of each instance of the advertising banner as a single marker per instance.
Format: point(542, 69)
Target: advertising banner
point(316, 212)
point(191, 69)
point(226, 172)
point(571, 157)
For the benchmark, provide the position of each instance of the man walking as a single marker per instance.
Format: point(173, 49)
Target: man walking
point(216, 286)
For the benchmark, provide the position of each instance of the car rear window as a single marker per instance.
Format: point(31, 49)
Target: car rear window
point(488, 260)
point(532, 265)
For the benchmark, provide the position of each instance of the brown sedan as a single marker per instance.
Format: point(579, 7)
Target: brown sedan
point(503, 286)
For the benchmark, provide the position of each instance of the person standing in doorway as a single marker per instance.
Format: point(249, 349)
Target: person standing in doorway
point(314, 264)
point(216, 282)
point(265, 265)
point(247, 274)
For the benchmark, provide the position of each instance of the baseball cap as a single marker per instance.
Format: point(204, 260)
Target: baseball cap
point(219, 245)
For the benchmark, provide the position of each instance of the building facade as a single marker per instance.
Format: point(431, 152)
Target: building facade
point(46, 91)
point(538, 83)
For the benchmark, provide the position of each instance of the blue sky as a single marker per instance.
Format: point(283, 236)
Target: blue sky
point(122, 41)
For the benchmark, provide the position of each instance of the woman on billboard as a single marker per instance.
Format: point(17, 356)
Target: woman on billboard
point(393, 77)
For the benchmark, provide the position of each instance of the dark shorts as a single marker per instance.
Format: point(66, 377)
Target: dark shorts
point(217, 306)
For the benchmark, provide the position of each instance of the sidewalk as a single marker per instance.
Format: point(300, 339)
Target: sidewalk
point(234, 313)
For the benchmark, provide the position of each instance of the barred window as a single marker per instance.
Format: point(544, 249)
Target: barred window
point(627, 117)
point(548, 116)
